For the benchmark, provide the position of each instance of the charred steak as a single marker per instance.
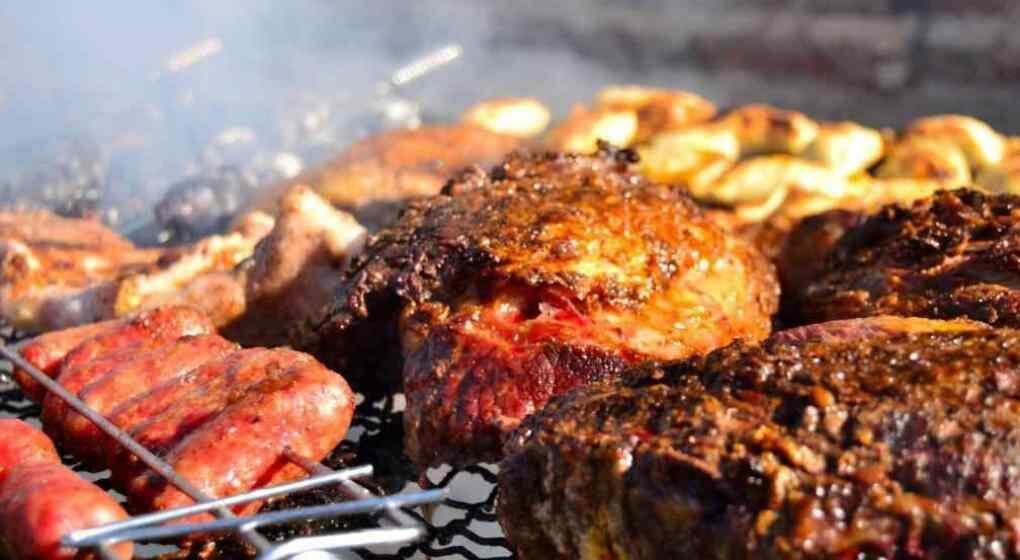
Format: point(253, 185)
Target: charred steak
point(955, 254)
point(871, 438)
point(550, 271)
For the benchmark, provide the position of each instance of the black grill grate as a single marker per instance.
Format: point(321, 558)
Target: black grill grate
point(462, 527)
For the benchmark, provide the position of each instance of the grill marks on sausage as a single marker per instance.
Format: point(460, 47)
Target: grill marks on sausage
point(223, 416)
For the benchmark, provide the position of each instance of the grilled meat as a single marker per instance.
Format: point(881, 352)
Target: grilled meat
point(304, 408)
point(56, 272)
point(222, 416)
point(59, 352)
point(950, 255)
point(161, 418)
point(551, 271)
point(802, 254)
point(295, 270)
point(44, 257)
point(374, 178)
point(854, 440)
point(627, 115)
point(134, 373)
point(41, 500)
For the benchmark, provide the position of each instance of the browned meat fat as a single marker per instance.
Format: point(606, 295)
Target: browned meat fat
point(550, 271)
point(954, 254)
point(881, 438)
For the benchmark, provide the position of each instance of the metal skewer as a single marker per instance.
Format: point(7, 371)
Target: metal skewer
point(120, 436)
point(140, 528)
point(88, 537)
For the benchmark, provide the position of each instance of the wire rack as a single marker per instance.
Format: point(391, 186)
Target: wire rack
point(317, 512)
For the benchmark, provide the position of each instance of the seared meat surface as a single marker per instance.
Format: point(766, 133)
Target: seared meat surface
point(295, 270)
point(551, 271)
point(44, 257)
point(41, 500)
point(951, 255)
point(57, 272)
point(376, 177)
point(852, 440)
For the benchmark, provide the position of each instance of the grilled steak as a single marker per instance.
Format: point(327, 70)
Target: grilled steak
point(872, 438)
point(956, 254)
point(549, 272)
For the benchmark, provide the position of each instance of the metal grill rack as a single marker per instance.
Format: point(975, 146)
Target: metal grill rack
point(399, 527)
point(462, 526)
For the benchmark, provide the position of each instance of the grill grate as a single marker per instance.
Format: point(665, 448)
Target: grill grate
point(462, 527)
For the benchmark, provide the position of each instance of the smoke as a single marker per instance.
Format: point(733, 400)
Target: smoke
point(113, 102)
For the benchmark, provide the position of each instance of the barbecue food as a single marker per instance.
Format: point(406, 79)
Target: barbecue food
point(199, 275)
point(304, 408)
point(59, 352)
point(376, 177)
point(295, 270)
point(223, 417)
point(56, 272)
point(41, 500)
point(523, 117)
point(134, 373)
point(44, 257)
point(627, 115)
point(851, 440)
point(551, 271)
point(950, 255)
point(772, 168)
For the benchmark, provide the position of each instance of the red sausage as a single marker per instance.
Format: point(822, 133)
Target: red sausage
point(136, 375)
point(97, 356)
point(47, 351)
point(194, 408)
point(20, 443)
point(162, 323)
point(41, 500)
point(307, 408)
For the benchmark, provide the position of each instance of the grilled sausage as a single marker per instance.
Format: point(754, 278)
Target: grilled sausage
point(137, 374)
point(307, 408)
point(42, 500)
point(21, 443)
point(160, 324)
point(47, 351)
point(222, 382)
point(98, 356)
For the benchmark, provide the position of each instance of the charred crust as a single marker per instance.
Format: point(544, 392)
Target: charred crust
point(589, 225)
point(901, 446)
point(955, 254)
